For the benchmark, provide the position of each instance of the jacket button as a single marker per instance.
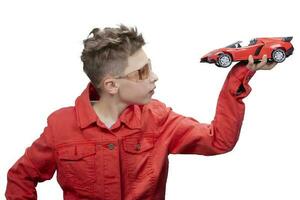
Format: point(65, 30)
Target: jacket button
point(111, 146)
point(138, 147)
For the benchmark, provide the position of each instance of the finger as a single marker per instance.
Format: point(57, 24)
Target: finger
point(270, 66)
point(263, 62)
point(251, 62)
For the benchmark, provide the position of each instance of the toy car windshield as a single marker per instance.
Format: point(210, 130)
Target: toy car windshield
point(235, 45)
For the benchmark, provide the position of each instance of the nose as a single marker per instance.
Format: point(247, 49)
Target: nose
point(153, 77)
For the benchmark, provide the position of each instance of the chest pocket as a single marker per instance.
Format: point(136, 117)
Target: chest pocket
point(138, 156)
point(76, 166)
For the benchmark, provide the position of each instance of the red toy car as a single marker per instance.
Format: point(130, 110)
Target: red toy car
point(276, 49)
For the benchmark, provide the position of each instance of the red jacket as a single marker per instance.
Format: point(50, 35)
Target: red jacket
point(129, 161)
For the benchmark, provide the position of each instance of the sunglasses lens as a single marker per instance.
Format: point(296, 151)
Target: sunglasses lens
point(145, 71)
point(142, 73)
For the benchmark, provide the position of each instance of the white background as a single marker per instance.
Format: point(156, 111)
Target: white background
point(41, 71)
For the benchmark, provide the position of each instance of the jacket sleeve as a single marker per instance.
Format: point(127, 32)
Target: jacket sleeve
point(36, 165)
point(185, 135)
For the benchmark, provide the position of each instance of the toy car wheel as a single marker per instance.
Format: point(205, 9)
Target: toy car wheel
point(224, 60)
point(217, 64)
point(278, 55)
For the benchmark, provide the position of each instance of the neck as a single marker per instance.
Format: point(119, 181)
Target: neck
point(108, 108)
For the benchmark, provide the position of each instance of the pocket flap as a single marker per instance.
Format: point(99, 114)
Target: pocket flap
point(76, 152)
point(137, 145)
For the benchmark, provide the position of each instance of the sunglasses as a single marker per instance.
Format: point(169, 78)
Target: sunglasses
point(142, 73)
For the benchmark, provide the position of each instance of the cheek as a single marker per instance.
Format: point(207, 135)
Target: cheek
point(134, 93)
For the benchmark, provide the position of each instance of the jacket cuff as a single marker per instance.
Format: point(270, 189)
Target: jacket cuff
point(239, 77)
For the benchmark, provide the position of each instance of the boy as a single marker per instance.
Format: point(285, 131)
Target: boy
point(114, 143)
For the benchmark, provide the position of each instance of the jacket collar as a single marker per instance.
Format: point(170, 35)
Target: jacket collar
point(86, 115)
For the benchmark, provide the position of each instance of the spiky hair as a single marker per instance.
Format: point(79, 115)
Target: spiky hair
point(106, 51)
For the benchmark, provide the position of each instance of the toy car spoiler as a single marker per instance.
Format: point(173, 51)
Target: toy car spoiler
point(287, 39)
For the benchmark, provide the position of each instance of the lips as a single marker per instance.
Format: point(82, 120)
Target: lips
point(152, 90)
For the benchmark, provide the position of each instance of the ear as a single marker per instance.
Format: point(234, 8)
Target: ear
point(110, 85)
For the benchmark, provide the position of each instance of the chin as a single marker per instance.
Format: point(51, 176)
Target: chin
point(138, 100)
point(145, 101)
point(148, 100)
